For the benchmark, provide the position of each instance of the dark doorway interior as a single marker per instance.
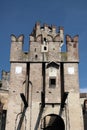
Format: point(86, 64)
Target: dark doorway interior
point(53, 122)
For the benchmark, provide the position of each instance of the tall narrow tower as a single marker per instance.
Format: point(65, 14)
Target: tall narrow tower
point(44, 84)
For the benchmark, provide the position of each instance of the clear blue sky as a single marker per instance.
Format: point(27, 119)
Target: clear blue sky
point(19, 16)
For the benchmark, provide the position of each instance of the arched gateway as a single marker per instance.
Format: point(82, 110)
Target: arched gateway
point(52, 122)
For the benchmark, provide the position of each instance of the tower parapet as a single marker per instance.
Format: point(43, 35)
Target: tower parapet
point(49, 32)
point(45, 45)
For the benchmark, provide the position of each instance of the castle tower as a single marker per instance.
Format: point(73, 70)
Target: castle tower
point(44, 82)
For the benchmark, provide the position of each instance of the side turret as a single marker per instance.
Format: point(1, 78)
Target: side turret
point(16, 48)
point(72, 48)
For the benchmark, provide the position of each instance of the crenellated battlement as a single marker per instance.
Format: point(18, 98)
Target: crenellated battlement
point(49, 32)
point(17, 39)
point(70, 39)
point(45, 45)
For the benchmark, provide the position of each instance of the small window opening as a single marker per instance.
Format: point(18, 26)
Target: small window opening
point(45, 48)
point(45, 39)
point(36, 56)
point(52, 82)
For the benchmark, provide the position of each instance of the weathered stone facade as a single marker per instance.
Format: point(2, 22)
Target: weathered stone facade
point(43, 91)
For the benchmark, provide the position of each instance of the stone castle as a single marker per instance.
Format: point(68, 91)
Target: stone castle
point(41, 91)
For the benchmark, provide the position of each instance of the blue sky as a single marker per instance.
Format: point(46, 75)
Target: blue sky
point(19, 17)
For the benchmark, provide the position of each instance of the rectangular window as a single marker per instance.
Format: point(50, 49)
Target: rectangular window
point(52, 82)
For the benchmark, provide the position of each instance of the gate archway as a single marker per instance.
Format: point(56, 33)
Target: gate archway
point(52, 122)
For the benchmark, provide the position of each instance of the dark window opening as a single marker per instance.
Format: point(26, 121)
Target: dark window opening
point(44, 39)
point(52, 82)
point(45, 48)
point(36, 56)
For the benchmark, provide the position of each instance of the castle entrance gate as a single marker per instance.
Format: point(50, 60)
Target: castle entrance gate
point(52, 122)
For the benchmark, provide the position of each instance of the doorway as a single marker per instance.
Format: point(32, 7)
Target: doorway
point(52, 122)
